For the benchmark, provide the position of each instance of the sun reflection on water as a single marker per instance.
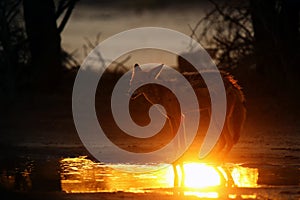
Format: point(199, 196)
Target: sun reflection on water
point(244, 176)
point(201, 175)
point(81, 175)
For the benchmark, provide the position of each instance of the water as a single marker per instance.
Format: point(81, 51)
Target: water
point(15, 174)
point(236, 181)
point(254, 181)
point(82, 175)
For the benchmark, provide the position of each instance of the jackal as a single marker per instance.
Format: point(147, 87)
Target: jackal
point(235, 115)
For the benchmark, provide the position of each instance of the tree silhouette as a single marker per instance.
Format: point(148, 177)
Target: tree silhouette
point(44, 37)
point(259, 33)
point(13, 48)
point(276, 28)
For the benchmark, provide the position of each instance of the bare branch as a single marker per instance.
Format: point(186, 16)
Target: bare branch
point(64, 21)
point(227, 29)
point(13, 11)
point(62, 6)
point(228, 17)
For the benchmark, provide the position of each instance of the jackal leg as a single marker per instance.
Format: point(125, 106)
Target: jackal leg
point(178, 180)
point(229, 124)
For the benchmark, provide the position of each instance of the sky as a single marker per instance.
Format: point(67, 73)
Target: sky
point(105, 19)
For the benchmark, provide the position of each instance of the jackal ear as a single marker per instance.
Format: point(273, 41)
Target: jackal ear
point(136, 68)
point(156, 71)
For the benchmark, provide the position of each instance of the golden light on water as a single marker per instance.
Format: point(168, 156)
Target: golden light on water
point(235, 181)
point(81, 175)
point(209, 195)
point(244, 176)
point(198, 175)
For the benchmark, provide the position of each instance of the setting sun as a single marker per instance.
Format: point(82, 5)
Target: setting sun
point(198, 175)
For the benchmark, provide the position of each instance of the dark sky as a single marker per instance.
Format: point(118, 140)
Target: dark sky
point(142, 4)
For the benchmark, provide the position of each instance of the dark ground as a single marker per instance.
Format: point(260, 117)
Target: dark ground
point(39, 128)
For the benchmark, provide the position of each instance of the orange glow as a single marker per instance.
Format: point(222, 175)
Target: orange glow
point(210, 195)
point(244, 176)
point(248, 196)
point(201, 180)
point(198, 175)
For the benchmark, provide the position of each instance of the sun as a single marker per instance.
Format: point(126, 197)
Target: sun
point(199, 175)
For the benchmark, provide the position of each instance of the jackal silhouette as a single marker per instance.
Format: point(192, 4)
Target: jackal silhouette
point(234, 121)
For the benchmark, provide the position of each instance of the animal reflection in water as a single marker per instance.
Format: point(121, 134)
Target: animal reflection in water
point(235, 116)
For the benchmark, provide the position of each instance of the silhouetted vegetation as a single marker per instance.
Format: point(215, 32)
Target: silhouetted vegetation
point(14, 54)
point(30, 43)
point(257, 34)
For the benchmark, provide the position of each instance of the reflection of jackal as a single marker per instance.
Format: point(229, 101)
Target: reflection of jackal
point(235, 116)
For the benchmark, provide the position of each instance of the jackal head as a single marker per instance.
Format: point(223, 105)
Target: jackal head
point(140, 77)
